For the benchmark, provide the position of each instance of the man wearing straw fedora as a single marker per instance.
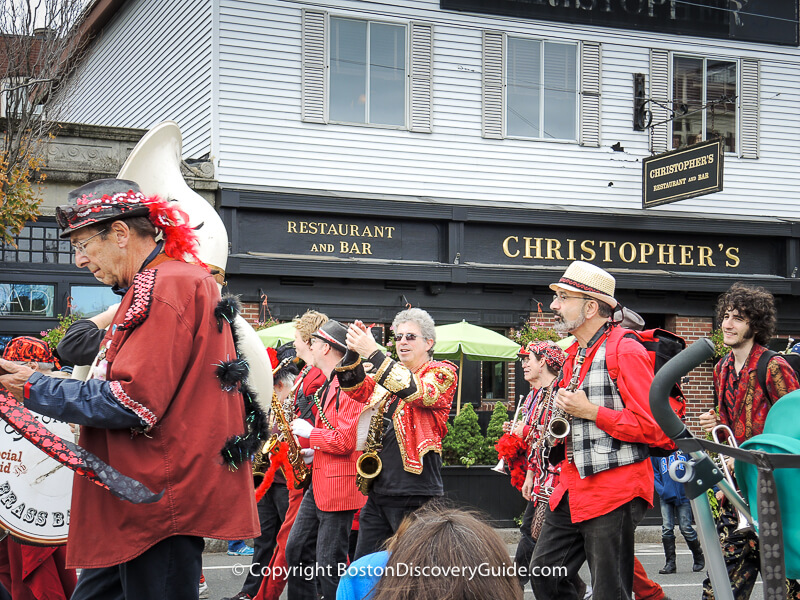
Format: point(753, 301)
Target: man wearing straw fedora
point(606, 482)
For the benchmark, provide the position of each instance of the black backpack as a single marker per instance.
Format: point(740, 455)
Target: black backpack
point(761, 368)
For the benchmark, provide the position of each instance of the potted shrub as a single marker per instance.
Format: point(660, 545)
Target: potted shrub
point(466, 481)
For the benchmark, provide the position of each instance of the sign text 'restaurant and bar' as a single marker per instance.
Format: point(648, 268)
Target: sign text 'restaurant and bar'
point(681, 174)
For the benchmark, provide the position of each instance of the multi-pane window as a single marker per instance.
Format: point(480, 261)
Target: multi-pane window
point(541, 89)
point(38, 243)
point(367, 72)
point(705, 89)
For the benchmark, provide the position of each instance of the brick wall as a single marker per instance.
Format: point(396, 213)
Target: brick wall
point(698, 385)
point(250, 312)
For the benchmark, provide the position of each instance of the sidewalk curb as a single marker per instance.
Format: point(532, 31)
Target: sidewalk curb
point(643, 535)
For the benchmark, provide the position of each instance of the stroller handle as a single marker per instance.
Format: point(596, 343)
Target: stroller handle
point(678, 366)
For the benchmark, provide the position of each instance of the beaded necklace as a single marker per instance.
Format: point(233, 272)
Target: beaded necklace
point(319, 407)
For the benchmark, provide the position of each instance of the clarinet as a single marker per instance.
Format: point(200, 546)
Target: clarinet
point(559, 425)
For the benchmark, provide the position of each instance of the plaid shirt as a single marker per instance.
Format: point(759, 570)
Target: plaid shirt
point(743, 406)
point(599, 494)
point(592, 449)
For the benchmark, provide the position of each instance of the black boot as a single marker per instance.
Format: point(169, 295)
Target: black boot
point(697, 555)
point(669, 552)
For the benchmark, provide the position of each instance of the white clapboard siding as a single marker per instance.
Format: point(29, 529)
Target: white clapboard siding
point(266, 139)
point(660, 86)
point(590, 83)
point(151, 63)
point(749, 103)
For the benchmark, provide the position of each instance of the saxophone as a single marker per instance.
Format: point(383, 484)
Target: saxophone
point(302, 474)
point(369, 464)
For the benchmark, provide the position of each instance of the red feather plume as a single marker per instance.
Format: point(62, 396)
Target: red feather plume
point(180, 240)
point(513, 450)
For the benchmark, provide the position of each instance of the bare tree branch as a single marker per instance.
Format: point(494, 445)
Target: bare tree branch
point(39, 47)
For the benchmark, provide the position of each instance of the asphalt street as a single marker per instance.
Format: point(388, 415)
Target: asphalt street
point(684, 585)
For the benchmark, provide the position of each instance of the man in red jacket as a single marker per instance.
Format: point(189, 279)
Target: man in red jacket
point(156, 409)
point(606, 480)
point(317, 544)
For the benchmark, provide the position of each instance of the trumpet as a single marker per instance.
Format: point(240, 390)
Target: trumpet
point(558, 427)
point(743, 523)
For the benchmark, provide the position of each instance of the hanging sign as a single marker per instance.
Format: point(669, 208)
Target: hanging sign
point(686, 173)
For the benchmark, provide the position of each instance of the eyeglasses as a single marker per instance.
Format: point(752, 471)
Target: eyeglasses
point(409, 336)
point(81, 246)
point(564, 297)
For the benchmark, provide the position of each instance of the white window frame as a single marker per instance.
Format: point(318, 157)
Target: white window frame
point(705, 59)
point(747, 101)
point(418, 84)
point(406, 98)
point(494, 81)
point(542, 138)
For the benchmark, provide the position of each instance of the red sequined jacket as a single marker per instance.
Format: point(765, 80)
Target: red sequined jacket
point(424, 399)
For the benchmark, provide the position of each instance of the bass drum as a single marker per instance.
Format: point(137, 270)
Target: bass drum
point(35, 490)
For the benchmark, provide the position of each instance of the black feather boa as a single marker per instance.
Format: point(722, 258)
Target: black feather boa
point(233, 375)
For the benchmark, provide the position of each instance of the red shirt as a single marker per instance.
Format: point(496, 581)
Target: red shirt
point(601, 493)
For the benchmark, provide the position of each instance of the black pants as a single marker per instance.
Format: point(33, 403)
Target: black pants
point(526, 543)
point(170, 569)
point(317, 545)
point(605, 542)
point(271, 513)
point(378, 522)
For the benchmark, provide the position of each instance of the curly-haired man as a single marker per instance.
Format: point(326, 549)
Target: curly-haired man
point(747, 317)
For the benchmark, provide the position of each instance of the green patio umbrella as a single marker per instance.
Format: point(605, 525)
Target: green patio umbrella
point(458, 341)
point(276, 335)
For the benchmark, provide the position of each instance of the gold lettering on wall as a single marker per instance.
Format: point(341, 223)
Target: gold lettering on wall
point(553, 247)
point(686, 255)
point(627, 252)
point(588, 254)
point(347, 230)
point(704, 260)
point(506, 251)
point(733, 257)
point(663, 254)
point(607, 250)
point(645, 250)
point(642, 253)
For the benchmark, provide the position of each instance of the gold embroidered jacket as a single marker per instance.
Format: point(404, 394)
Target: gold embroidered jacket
point(424, 398)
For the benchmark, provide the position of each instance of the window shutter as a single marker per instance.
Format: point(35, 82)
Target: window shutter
point(313, 71)
point(659, 91)
point(748, 107)
point(590, 94)
point(421, 77)
point(492, 85)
